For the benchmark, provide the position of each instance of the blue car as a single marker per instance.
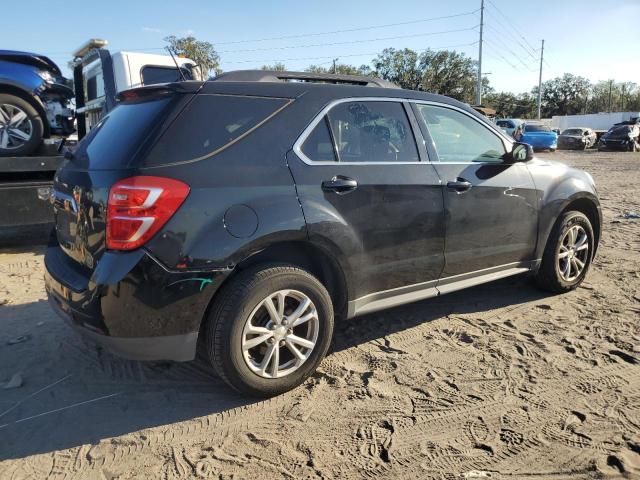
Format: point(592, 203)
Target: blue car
point(539, 136)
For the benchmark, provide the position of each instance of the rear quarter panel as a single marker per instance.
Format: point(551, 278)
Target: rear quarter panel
point(242, 200)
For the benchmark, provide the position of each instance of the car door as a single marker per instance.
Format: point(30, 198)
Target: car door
point(491, 207)
point(368, 196)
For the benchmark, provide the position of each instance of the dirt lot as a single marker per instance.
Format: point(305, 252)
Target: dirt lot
point(500, 381)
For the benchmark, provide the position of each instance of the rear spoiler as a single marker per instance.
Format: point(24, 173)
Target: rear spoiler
point(189, 86)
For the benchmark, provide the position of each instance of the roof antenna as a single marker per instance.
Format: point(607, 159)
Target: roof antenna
point(176, 62)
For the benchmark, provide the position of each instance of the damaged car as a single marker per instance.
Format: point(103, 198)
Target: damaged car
point(577, 139)
point(621, 137)
point(34, 102)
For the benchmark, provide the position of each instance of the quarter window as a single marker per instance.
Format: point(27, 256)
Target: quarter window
point(372, 132)
point(318, 145)
point(460, 138)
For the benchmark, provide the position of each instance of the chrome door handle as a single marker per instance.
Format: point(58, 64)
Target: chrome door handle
point(340, 185)
point(459, 185)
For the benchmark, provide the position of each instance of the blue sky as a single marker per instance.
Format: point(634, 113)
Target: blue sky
point(593, 38)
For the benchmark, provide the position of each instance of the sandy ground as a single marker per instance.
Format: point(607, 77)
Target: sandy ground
point(500, 381)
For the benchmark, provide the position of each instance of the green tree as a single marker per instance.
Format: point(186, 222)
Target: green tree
point(624, 97)
point(399, 66)
point(341, 68)
point(566, 95)
point(278, 67)
point(509, 105)
point(445, 72)
point(201, 52)
point(450, 73)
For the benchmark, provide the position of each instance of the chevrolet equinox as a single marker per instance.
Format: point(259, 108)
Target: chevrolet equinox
point(244, 214)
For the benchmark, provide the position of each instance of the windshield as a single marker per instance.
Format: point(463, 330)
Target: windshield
point(536, 128)
point(572, 131)
point(505, 123)
point(620, 130)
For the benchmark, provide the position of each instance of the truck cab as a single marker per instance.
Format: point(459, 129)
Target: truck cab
point(99, 76)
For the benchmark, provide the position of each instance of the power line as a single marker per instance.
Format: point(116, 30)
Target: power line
point(305, 35)
point(358, 29)
point(445, 47)
point(517, 41)
point(502, 57)
point(507, 48)
point(351, 42)
point(509, 23)
point(513, 54)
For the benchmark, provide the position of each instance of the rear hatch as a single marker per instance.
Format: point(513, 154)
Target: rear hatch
point(107, 154)
point(142, 133)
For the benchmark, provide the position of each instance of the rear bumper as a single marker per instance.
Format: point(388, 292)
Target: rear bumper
point(179, 348)
point(130, 304)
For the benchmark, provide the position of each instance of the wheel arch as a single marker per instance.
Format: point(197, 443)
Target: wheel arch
point(310, 257)
point(590, 209)
point(32, 100)
point(585, 203)
point(302, 254)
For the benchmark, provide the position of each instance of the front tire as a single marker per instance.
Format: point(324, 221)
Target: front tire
point(268, 329)
point(567, 255)
point(21, 127)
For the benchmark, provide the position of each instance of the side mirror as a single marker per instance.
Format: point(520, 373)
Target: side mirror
point(521, 152)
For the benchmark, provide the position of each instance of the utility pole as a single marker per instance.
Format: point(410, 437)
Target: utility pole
point(610, 87)
point(334, 65)
point(479, 88)
point(540, 82)
point(622, 98)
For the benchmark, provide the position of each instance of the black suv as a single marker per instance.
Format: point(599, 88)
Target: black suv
point(249, 211)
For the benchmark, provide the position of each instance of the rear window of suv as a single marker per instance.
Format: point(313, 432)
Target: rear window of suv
point(211, 123)
point(115, 139)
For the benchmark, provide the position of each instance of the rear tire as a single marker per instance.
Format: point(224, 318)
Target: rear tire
point(21, 127)
point(244, 339)
point(567, 255)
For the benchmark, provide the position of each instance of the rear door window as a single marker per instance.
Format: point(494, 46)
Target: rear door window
point(377, 132)
point(152, 75)
point(211, 123)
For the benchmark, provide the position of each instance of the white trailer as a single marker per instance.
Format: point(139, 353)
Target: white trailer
point(596, 121)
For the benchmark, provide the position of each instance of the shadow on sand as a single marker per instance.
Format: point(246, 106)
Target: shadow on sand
point(75, 394)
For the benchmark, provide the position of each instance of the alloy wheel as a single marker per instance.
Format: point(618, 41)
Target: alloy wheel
point(280, 334)
point(573, 253)
point(16, 127)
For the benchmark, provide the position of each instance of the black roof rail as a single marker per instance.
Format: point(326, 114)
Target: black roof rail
point(283, 76)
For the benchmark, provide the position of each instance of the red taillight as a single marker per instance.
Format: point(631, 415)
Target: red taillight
point(138, 207)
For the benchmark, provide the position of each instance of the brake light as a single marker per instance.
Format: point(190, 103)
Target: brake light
point(138, 207)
